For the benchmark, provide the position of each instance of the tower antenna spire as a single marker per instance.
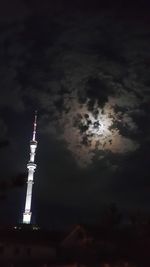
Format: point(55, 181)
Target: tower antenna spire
point(31, 166)
point(34, 126)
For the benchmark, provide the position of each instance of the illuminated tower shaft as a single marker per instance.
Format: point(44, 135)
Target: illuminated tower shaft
point(31, 166)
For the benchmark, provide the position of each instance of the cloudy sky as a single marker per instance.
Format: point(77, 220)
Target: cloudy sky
point(85, 68)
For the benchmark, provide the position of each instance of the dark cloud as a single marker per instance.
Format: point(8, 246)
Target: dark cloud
point(97, 90)
point(88, 77)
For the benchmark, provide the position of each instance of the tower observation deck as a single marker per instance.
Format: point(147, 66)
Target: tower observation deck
point(31, 166)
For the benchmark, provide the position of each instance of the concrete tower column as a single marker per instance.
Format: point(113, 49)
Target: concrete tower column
point(31, 166)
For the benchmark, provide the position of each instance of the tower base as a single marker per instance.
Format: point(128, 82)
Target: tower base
point(27, 217)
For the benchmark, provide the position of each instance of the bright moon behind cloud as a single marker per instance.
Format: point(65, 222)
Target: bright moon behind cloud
point(87, 132)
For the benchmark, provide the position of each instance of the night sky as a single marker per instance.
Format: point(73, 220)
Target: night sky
point(85, 66)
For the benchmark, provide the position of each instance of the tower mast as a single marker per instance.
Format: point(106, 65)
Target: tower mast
point(31, 166)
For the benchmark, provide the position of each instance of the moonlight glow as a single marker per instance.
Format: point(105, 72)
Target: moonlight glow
point(88, 133)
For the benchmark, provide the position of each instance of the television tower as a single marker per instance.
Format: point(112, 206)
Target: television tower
point(31, 166)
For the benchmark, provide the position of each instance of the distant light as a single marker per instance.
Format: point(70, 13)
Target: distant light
point(17, 227)
point(36, 228)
